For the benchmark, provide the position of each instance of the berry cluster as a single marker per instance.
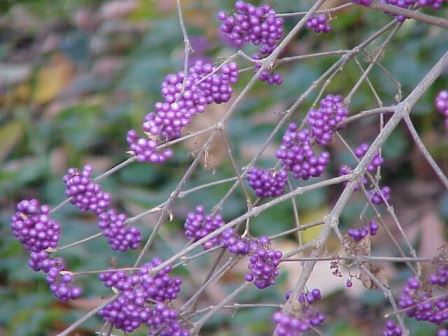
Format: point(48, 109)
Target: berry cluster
point(441, 103)
point(434, 4)
point(33, 227)
point(418, 297)
point(61, 283)
point(135, 306)
point(296, 154)
point(234, 243)
point(324, 121)
point(410, 4)
point(402, 4)
point(267, 183)
point(257, 25)
point(263, 263)
point(83, 192)
point(306, 318)
point(391, 329)
point(267, 76)
point(319, 23)
point(380, 196)
point(358, 234)
point(363, 2)
point(376, 162)
point(183, 98)
point(250, 24)
point(164, 321)
point(88, 196)
point(119, 236)
point(376, 196)
point(145, 149)
point(198, 225)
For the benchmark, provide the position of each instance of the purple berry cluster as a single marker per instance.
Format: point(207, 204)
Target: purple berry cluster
point(88, 196)
point(257, 25)
point(380, 196)
point(319, 23)
point(297, 156)
point(141, 299)
point(345, 170)
point(296, 153)
point(183, 98)
point(434, 4)
point(267, 76)
point(357, 234)
point(422, 300)
point(363, 2)
point(198, 225)
point(324, 120)
point(441, 103)
point(408, 4)
point(267, 183)
point(234, 243)
point(83, 192)
point(392, 329)
point(376, 162)
point(263, 263)
point(376, 196)
point(60, 281)
point(33, 227)
point(120, 237)
point(402, 4)
point(250, 24)
point(145, 149)
point(164, 321)
point(301, 322)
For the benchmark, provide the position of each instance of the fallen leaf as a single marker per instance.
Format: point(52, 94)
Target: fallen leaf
point(10, 134)
point(53, 78)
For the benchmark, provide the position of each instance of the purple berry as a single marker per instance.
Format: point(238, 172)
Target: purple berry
point(373, 227)
point(441, 103)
